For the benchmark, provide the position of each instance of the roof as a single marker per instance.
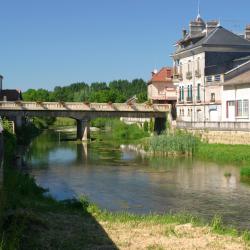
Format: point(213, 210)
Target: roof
point(10, 95)
point(219, 37)
point(164, 75)
point(239, 79)
point(238, 75)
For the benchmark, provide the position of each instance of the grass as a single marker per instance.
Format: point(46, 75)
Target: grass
point(233, 154)
point(64, 121)
point(174, 143)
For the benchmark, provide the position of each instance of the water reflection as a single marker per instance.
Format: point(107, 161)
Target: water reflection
point(119, 178)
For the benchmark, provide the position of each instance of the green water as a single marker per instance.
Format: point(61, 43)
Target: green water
point(118, 178)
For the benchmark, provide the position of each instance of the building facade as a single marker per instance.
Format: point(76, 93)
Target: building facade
point(161, 89)
point(202, 60)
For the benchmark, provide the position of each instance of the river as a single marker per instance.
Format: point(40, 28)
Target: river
point(120, 179)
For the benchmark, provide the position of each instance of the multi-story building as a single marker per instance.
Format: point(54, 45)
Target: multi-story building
point(203, 59)
point(161, 89)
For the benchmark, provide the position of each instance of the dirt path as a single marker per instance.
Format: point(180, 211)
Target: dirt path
point(170, 237)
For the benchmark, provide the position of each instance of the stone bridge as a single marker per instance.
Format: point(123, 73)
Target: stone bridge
point(84, 112)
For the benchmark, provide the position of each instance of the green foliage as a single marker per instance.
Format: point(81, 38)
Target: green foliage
point(9, 143)
point(100, 122)
point(64, 121)
point(120, 130)
point(26, 133)
point(151, 125)
point(174, 143)
point(245, 172)
point(116, 91)
point(235, 154)
point(145, 126)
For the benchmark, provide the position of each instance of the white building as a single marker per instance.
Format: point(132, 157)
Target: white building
point(236, 94)
point(203, 57)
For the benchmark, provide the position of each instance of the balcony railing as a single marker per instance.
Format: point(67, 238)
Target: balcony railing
point(189, 75)
point(189, 99)
point(197, 73)
point(198, 99)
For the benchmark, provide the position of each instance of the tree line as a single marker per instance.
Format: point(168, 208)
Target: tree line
point(116, 91)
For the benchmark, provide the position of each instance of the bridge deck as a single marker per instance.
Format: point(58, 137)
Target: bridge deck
point(80, 106)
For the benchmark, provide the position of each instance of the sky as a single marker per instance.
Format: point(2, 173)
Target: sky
point(48, 43)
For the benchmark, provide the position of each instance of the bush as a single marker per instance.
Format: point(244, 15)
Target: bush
point(120, 130)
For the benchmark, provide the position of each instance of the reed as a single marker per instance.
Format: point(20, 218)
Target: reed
point(179, 143)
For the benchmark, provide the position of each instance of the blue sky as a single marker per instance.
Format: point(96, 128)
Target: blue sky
point(45, 43)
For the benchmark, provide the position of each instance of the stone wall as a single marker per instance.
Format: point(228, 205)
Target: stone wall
point(223, 137)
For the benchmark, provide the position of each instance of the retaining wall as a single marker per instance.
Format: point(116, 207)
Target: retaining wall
point(223, 137)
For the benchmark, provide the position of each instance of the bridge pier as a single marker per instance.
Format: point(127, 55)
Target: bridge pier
point(83, 130)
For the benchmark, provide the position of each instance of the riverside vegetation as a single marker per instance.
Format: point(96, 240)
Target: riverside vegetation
point(32, 220)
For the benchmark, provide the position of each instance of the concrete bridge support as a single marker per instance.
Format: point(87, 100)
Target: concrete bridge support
point(83, 130)
point(18, 121)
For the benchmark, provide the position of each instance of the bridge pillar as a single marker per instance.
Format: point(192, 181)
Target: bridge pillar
point(83, 130)
point(18, 121)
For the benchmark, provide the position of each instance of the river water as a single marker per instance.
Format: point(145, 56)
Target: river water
point(120, 179)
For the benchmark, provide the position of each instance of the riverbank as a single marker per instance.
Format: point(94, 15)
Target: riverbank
point(39, 222)
point(35, 221)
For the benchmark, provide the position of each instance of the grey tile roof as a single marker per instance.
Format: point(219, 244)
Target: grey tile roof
point(219, 37)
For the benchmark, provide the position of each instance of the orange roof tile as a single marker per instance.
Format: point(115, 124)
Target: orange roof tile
point(164, 75)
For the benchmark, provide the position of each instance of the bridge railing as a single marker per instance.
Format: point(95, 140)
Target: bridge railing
point(80, 106)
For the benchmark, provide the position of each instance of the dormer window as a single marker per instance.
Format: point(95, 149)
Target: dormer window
point(217, 78)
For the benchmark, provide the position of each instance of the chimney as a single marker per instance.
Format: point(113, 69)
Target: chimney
point(1, 83)
point(184, 33)
point(247, 32)
point(154, 72)
point(211, 25)
point(196, 27)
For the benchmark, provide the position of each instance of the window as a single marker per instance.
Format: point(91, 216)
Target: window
point(217, 78)
point(242, 108)
point(198, 91)
point(182, 93)
point(212, 97)
point(209, 78)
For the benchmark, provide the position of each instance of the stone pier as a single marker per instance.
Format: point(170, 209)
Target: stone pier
point(83, 130)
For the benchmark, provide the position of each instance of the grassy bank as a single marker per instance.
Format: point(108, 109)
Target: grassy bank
point(33, 221)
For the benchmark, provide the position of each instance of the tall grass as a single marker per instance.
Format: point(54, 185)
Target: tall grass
point(174, 143)
point(235, 154)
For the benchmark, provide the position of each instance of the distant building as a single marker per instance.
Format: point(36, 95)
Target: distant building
point(210, 64)
point(161, 89)
point(9, 94)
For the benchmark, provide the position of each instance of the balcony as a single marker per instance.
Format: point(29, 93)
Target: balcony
point(180, 101)
point(197, 73)
point(212, 100)
point(189, 75)
point(189, 99)
point(198, 99)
